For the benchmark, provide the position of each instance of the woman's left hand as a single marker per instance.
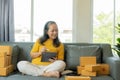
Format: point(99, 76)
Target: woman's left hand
point(53, 59)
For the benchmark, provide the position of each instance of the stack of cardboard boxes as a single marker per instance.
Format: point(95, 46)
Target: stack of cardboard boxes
point(5, 60)
point(89, 67)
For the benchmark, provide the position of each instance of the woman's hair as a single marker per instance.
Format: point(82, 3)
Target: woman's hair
point(45, 36)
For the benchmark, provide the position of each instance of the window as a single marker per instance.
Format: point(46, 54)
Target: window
point(117, 17)
point(103, 15)
point(106, 16)
point(31, 15)
point(22, 18)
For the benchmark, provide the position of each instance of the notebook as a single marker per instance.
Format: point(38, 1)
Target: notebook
point(47, 55)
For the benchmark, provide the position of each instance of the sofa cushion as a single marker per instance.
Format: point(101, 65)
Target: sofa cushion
point(15, 52)
point(73, 54)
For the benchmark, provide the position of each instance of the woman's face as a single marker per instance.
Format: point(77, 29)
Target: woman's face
point(52, 31)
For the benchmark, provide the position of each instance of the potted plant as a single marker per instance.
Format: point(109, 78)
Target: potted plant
point(117, 46)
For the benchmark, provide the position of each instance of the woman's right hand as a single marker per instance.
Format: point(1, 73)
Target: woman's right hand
point(43, 49)
point(37, 54)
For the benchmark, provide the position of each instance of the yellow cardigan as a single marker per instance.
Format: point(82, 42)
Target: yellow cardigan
point(48, 44)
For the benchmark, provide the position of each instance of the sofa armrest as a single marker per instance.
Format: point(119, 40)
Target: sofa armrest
point(114, 67)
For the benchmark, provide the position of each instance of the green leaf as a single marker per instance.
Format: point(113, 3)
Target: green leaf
point(118, 24)
point(118, 39)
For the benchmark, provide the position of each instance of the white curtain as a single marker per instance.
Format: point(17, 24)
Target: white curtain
point(6, 20)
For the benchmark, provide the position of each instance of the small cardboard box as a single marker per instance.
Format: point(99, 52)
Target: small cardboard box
point(7, 70)
point(3, 59)
point(87, 60)
point(104, 70)
point(88, 73)
point(77, 78)
point(92, 68)
point(7, 49)
point(79, 69)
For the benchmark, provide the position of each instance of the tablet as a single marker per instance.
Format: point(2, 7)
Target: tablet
point(47, 55)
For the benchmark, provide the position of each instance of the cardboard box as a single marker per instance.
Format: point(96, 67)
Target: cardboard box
point(7, 49)
point(8, 60)
point(79, 69)
point(10, 68)
point(104, 70)
point(7, 70)
point(92, 68)
point(77, 78)
point(89, 60)
point(3, 59)
point(88, 73)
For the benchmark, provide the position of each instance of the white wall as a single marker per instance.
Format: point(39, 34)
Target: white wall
point(82, 21)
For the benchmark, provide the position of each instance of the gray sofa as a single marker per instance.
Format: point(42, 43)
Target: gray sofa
point(73, 51)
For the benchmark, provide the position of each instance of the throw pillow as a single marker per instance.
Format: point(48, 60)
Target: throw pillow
point(74, 52)
point(15, 52)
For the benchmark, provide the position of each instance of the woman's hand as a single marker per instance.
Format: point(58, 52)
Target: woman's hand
point(53, 59)
point(43, 49)
point(37, 54)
